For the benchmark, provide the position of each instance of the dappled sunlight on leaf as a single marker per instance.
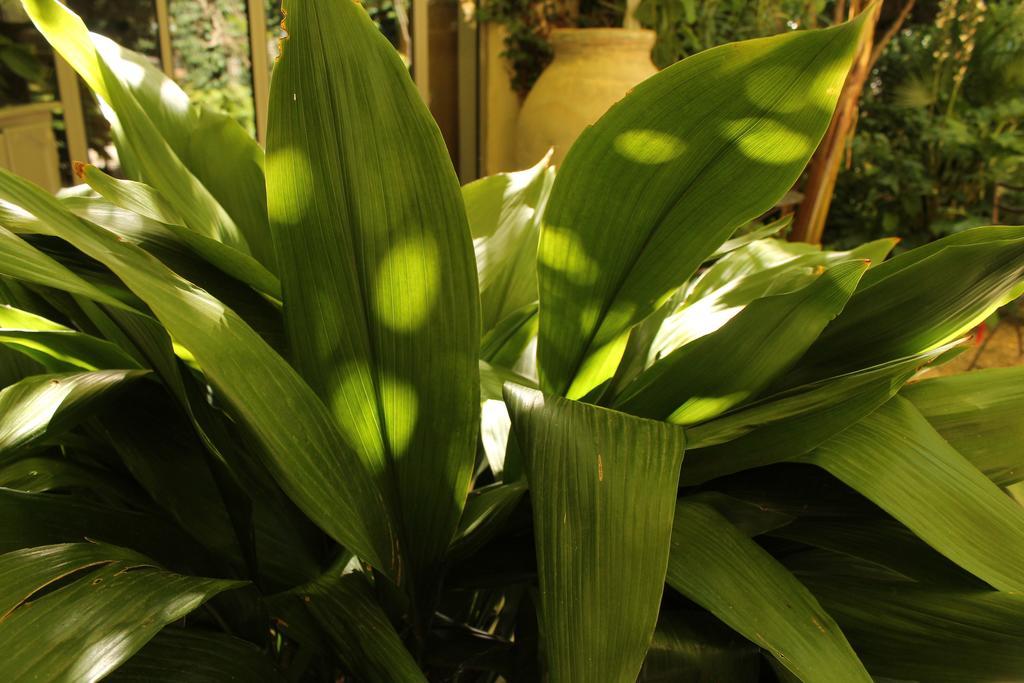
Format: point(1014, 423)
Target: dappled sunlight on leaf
point(400, 404)
point(295, 167)
point(769, 140)
point(407, 283)
point(729, 131)
point(581, 269)
point(648, 146)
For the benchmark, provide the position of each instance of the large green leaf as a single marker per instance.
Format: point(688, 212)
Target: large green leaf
point(486, 510)
point(115, 603)
point(58, 473)
point(917, 306)
point(981, 414)
point(696, 648)
point(20, 260)
point(897, 460)
point(504, 214)
point(719, 568)
point(761, 269)
point(785, 425)
point(707, 377)
point(43, 406)
point(58, 347)
point(359, 629)
point(602, 487)
point(149, 203)
point(924, 633)
point(154, 158)
point(880, 540)
point(376, 262)
point(158, 446)
point(203, 160)
point(35, 519)
point(639, 203)
point(301, 446)
point(178, 655)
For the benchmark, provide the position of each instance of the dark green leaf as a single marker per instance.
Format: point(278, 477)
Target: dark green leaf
point(43, 406)
point(301, 446)
point(897, 460)
point(694, 647)
point(362, 635)
point(85, 629)
point(376, 262)
point(178, 655)
point(782, 426)
point(719, 568)
point(602, 488)
point(981, 414)
point(921, 633)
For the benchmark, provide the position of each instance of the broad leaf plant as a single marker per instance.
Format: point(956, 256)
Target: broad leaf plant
point(320, 414)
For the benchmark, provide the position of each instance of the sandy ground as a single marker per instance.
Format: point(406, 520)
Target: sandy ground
point(1003, 350)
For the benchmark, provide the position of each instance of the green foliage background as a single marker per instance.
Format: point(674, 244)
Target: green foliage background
point(940, 128)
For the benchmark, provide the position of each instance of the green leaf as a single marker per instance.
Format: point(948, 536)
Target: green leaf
point(115, 603)
point(43, 406)
point(697, 647)
point(177, 655)
point(149, 203)
point(203, 160)
point(35, 519)
point(504, 214)
point(43, 474)
point(362, 635)
point(229, 163)
point(602, 487)
point(301, 446)
point(707, 377)
point(158, 446)
point(376, 262)
point(875, 537)
point(980, 414)
point(26, 572)
point(20, 260)
point(794, 422)
point(914, 307)
point(741, 239)
point(57, 347)
point(719, 568)
point(898, 461)
point(487, 509)
point(637, 205)
point(922, 633)
point(764, 268)
point(156, 238)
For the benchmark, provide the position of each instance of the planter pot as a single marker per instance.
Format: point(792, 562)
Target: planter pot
point(593, 69)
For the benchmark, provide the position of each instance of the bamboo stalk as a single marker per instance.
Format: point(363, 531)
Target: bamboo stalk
point(809, 222)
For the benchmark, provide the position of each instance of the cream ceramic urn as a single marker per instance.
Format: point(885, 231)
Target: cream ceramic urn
point(593, 69)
